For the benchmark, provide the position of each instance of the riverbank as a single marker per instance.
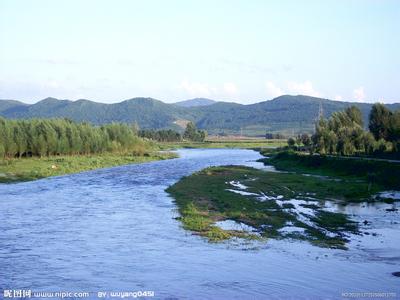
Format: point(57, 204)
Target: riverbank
point(295, 202)
point(382, 174)
point(223, 143)
point(26, 169)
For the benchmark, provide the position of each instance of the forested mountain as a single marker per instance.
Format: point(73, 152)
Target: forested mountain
point(196, 102)
point(7, 104)
point(290, 114)
point(147, 112)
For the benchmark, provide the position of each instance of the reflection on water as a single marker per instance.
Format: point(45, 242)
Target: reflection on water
point(115, 230)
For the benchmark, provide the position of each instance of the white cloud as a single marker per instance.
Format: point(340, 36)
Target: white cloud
point(359, 94)
point(338, 98)
point(296, 88)
point(199, 89)
point(273, 90)
point(303, 88)
point(230, 89)
point(195, 89)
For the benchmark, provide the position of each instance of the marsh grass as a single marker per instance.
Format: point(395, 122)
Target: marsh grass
point(379, 174)
point(203, 199)
point(26, 169)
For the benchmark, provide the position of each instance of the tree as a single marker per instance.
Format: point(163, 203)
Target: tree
point(320, 137)
point(291, 142)
point(368, 142)
point(191, 133)
point(2, 152)
point(331, 142)
point(40, 137)
point(355, 115)
point(298, 140)
point(381, 146)
point(20, 139)
point(305, 139)
point(379, 120)
point(394, 130)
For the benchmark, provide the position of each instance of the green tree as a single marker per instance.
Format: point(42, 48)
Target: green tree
point(305, 139)
point(2, 151)
point(381, 146)
point(394, 130)
point(379, 121)
point(20, 139)
point(355, 115)
point(191, 133)
point(368, 142)
point(291, 142)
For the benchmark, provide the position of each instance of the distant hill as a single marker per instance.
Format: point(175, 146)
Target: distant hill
point(196, 102)
point(285, 114)
point(147, 112)
point(7, 104)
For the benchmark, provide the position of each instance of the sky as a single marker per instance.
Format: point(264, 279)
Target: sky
point(236, 50)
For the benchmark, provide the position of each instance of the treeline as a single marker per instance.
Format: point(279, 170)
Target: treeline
point(44, 137)
point(274, 136)
point(344, 134)
point(167, 135)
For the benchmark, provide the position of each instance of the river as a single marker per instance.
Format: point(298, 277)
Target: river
point(114, 229)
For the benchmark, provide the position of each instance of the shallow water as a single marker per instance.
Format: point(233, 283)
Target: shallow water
point(114, 230)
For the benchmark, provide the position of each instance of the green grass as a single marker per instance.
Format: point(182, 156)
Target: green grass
point(380, 174)
point(26, 169)
point(240, 144)
point(203, 199)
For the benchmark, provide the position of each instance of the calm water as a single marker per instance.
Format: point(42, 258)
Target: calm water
point(114, 230)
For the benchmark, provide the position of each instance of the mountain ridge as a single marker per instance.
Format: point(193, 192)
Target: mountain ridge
point(286, 114)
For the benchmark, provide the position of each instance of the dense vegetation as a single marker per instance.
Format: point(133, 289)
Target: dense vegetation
point(378, 174)
point(344, 134)
point(168, 135)
point(45, 137)
point(285, 114)
point(164, 135)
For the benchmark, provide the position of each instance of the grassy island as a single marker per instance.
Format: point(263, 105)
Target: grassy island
point(272, 204)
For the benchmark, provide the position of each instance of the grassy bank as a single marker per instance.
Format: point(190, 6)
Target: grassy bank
point(380, 174)
point(25, 169)
point(269, 202)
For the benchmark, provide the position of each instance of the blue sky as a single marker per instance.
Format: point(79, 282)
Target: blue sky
point(242, 51)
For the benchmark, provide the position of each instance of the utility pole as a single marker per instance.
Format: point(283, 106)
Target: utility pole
point(319, 115)
point(320, 111)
